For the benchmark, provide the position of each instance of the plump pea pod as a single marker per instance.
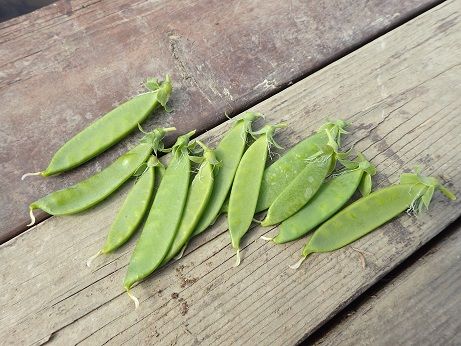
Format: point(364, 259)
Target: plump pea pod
point(197, 200)
point(245, 189)
point(414, 193)
point(132, 212)
point(229, 152)
point(282, 172)
point(164, 216)
point(305, 185)
point(96, 188)
point(109, 129)
point(331, 197)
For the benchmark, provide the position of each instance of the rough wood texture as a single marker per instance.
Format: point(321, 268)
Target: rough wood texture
point(401, 95)
point(421, 306)
point(66, 64)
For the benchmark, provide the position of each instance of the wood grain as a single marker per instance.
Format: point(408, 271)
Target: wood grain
point(419, 307)
point(68, 63)
point(401, 95)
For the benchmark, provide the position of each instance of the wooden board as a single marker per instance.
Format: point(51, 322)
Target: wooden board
point(401, 95)
point(66, 64)
point(421, 306)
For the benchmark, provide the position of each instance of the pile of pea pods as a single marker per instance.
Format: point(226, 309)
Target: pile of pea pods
point(306, 189)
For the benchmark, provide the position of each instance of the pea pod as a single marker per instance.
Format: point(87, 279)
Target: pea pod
point(305, 185)
point(132, 212)
point(197, 200)
point(245, 189)
point(109, 129)
point(228, 152)
point(96, 188)
point(164, 216)
point(282, 172)
point(413, 194)
point(331, 197)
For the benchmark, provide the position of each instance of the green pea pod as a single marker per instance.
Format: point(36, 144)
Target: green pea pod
point(305, 185)
point(331, 197)
point(197, 200)
point(282, 172)
point(132, 212)
point(96, 188)
point(108, 130)
point(229, 152)
point(245, 189)
point(368, 213)
point(164, 216)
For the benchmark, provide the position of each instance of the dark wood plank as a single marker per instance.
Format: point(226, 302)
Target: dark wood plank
point(66, 64)
point(401, 96)
point(421, 306)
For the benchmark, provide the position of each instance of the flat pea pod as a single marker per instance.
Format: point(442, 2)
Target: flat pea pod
point(368, 213)
point(108, 130)
point(164, 216)
point(305, 185)
point(132, 211)
point(245, 189)
point(229, 152)
point(282, 172)
point(99, 186)
point(331, 197)
point(197, 200)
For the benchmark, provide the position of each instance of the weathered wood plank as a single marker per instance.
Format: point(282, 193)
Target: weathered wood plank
point(401, 94)
point(66, 64)
point(421, 306)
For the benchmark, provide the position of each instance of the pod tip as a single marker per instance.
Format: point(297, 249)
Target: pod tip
point(134, 299)
point(90, 260)
point(24, 176)
point(298, 264)
point(237, 259)
point(32, 218)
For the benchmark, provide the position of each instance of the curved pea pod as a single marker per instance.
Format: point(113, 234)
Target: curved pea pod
point(164, 216)
point(331, 197)
point(197, 200)
point(132, 212)
point(305, 185)
point(96, 188)
point(282, 172)
point(109, 129)
point(413, 194)
point(228, 152)
point(245, 189)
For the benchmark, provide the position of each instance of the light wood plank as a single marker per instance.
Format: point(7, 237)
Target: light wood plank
point(422, 306)
point(401, 94)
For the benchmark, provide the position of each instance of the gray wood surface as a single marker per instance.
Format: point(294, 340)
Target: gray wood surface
point(421, 306)
point(67, 64)
point(401, 95)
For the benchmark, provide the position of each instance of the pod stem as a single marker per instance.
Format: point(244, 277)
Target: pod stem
point(24, 176)
point(91, 259)
point(237, 258)
point(266, 238)
point(133, 298)
point(32, 218)
point(181, 253)
point(298, 264)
